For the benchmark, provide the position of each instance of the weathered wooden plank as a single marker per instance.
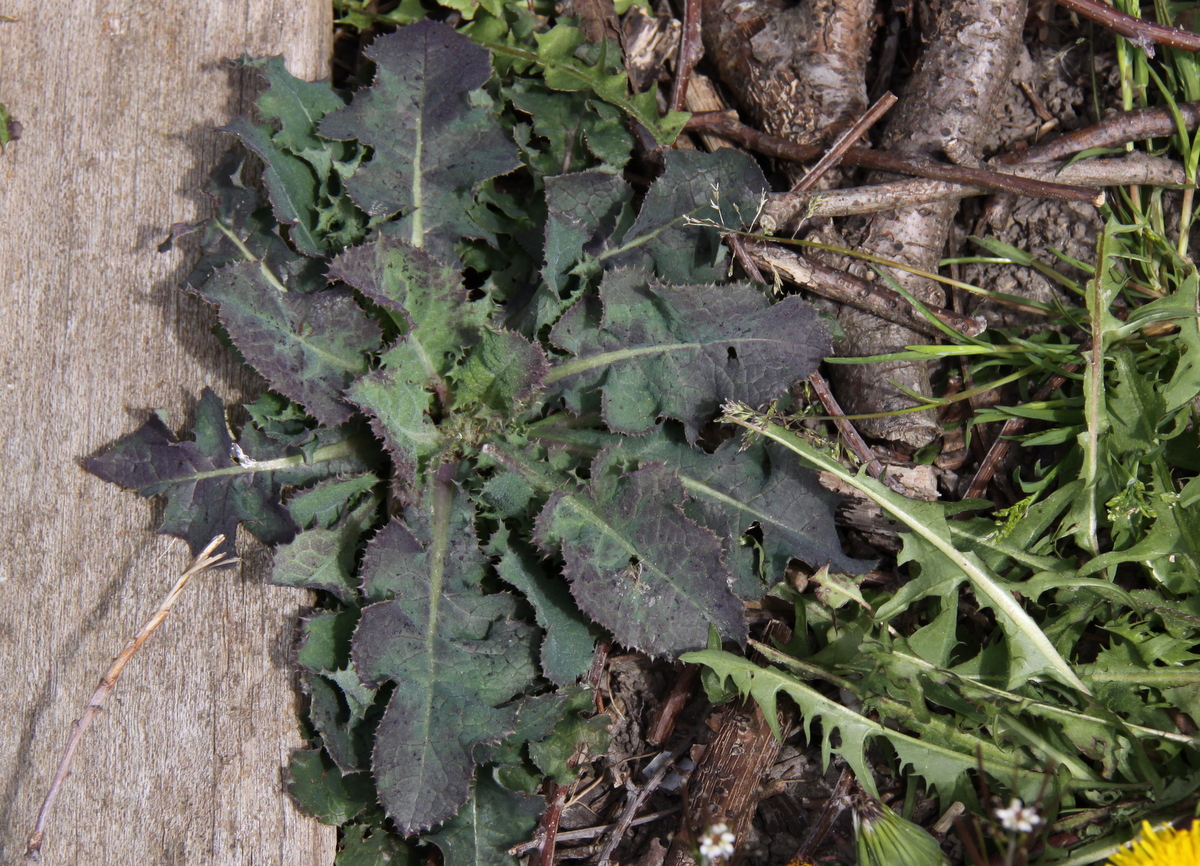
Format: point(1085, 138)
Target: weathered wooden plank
point(119, 103)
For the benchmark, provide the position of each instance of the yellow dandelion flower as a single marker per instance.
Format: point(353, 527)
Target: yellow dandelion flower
point(1164, 846)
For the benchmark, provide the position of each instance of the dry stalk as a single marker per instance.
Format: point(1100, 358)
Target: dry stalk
point(203, 562)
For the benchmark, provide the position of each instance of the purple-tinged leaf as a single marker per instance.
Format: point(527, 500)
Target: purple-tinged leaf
point(568, 647)
point(493, 820)
point(583, 210)
point(308, 346)
point(208, 492)
point(456, 655)
point(432, 145)
point(637, 565)
point(681, 351)
point(742, 486)
point(426, 297)
point(678, 231)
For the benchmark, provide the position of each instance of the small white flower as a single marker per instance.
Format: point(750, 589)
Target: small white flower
point(717, 843)
point(1018, 817)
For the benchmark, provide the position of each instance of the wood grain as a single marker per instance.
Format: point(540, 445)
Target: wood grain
point(119, 104)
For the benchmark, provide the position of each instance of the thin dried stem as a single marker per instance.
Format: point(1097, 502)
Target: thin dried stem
point(724, 124)
point(848, 289)
point(691, 49)
point(1114, 131)
point(201, 563)
point(1142, 33)
point(634, 803)
point(837, 151)
point(850, 435)
point(838, 802)
point(547, 836)
point(784, 210)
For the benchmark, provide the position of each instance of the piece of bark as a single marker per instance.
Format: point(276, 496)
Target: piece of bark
point(797, 71)
point(944, 110)
point(649, 43)
point(597, 18)
point(723, 786)
point(703, 96)
point(726, 785)
point(120, 105)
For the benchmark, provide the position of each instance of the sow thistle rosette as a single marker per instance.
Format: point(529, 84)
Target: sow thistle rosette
point(883, 838)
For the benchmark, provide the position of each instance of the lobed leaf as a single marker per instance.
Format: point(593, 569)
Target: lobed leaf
point(500, 376)
point(1031, 652)
point(570, 641)
point(655, 350)
point(209, 492)
point(433, 145)
point(308, 346)
point(429, 303)
point(457, 657)
point(637, 565)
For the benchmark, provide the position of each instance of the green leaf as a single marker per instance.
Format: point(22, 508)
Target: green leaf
point(365, 845)
point(500, 376)
point(697, 198)
point(456, 656)
point(1031, 652)
point(568, 64)
point(493, 820)
point(214, 483)
point(308, 346)
point(322, 791)
point(637, 565)
point(433, 145)
point(940, 765)
point(574, 127)
point(428, 301)
point(347, 742)
point(322, 558)
point(296, 106)
point(681, 351)
point(569, 644)
point(327, 502)
point(10, 129)
point(291, 184)
point(324, 641)
point(579, 736)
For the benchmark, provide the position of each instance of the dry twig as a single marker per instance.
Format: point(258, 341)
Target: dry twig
point(724, 124)
point(1142, 33)
point(837, 150)
point(691, 49)
point(1111, 132)
point(784, 210)
point(205, 561)
point(846, 288)
point(635, 801)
